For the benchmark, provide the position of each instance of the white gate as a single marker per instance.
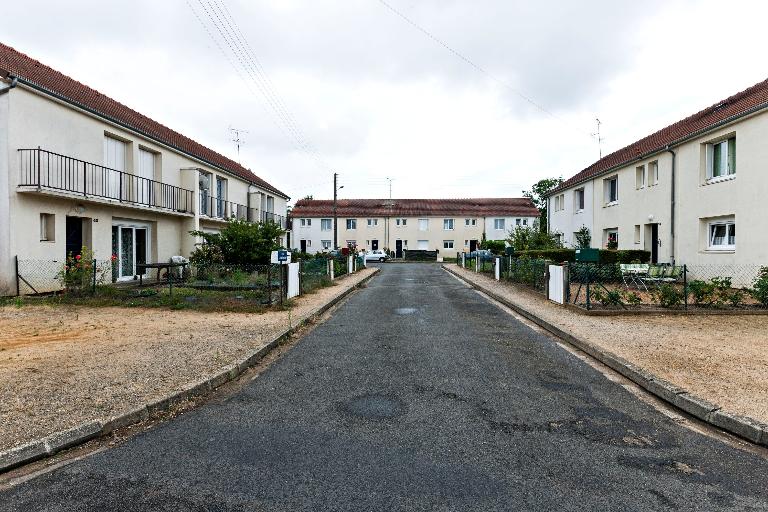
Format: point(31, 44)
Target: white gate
point(556, 288)
point(293, 280)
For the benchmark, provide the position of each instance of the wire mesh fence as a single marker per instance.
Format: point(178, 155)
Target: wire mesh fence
point(314, 274)
point(46, 276)
point(340, 266)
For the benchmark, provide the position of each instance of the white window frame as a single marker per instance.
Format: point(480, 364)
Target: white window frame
point(525, 222)
point(325, 244)
point(326, 222)
point(500, 222)
point(610, 201)
point(423, 224)
point(448, 244)
point(724, 148)
point(120, 225)
point(578, 200)
point(653, 173)
point(448, 224)
point(608, 233)
point(351, 224)
point(470, 222)
point(638, 236)
point(640, 177)
point(710, 235)
point(372, 223)
point(47, 227)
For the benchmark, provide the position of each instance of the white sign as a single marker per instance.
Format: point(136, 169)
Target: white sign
point(282, 257)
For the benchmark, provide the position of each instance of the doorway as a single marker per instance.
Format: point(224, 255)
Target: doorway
point(472, 245)
point(398, 248)
point(74, 245)
point(654, 243)
point(303, 245)
point(131, 246)
point(374, 245)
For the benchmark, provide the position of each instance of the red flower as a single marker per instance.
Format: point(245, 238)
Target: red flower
point(114, 257)
point(78, 257)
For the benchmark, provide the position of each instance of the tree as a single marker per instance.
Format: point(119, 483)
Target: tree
point(537, 195)
point(583, 238)
point(529, 238)
point(239, 243)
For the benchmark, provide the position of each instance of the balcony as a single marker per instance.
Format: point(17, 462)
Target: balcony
point(44, 170)
point(221, 209)
point(273, 217)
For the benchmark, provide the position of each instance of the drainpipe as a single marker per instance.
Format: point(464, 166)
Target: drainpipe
point(13, 84)
point(672, 211)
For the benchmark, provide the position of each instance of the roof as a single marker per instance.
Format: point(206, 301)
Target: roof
point(483, 207)
point(43, 78)
point(746, 102)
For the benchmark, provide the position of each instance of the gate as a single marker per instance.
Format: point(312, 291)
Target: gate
point(293, 280)
point(556, 288)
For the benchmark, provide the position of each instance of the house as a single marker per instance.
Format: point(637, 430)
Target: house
point(677, 193)
point(446, 225)
point(80, 169)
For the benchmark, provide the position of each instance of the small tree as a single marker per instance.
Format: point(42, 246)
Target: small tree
point(240, 243)
point(495, 246)
point(528, 238)
point(537, 195)
point(583, 238)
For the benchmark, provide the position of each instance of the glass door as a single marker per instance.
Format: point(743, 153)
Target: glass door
point(130, 245)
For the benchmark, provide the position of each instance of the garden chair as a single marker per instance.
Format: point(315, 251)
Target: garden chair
point(654, 275)
point(671, 274)
point(633, 273)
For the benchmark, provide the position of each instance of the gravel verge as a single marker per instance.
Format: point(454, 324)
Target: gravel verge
point(61, 367)
point(722, 359)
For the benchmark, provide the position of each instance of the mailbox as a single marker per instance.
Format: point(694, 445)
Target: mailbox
point(509, 251)
point(588, 255)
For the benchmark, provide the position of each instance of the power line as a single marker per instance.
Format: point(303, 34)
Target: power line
point(472, 64)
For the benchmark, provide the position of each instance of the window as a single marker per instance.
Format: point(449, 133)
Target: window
point(47, 227)
point(518, 222)
point(525, 222)
point(640, 177)
point(352, 243)
point(145, 173)
point(498, 224)
point(204, 182)
point(270, 204)
point(578, 200)
point(373, 222)
point(351, 223)
point(447, 244)
point(721, 159)
point(422, 245)
point(221, 196)
point(326, 224)
point(325, 244)
point(401, 222)
point(470, 222)
point(722, 236)
point(448, 224)
point(305, 223)
point(611, 238)
point(559, 202)
point(637, 233)
point(423, 224)
point(653, 174)
point(611, 189)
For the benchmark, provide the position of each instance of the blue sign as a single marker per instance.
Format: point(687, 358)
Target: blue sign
point(282, 255)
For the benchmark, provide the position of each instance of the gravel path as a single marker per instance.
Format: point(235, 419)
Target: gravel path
point(723, 359)
point(61, 366)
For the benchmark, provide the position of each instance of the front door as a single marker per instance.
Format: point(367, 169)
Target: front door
point(654, 243)
point(374, 245)
point(131, 246)
point(472, 245)
point(74, 236)
point(303, 244)
point(398, 248)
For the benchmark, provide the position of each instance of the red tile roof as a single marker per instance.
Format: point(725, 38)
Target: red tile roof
point(31, 72)
point(747, 101)
point(485, 207)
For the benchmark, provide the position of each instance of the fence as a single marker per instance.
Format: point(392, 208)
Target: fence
point(46, 276)
point(314, 274)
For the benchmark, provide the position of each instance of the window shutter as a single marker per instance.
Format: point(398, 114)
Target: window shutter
point(732, 155)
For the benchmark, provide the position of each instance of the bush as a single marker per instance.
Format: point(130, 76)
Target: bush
point(495, 246)
point(760, 287)
point(703, 293)
point(632, 299)
point(527, 238)
point(668, 296)
point(607, 298)
point(559, 255)
point(242, 242)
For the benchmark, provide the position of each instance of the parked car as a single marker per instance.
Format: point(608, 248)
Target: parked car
point(483, 254)
point(377, 255)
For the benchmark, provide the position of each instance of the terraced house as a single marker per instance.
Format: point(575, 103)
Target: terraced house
point(80, 169)
point(446, 225)
point(682, 193)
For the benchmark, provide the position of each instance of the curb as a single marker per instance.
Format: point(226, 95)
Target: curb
point(742, 426)
point(58, 441)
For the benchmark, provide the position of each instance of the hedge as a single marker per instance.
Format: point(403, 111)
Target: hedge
point(606, 256)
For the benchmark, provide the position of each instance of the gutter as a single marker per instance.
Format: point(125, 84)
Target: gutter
point(102, 115)
point(672, 209)
point(677, 142)
point(13, 84)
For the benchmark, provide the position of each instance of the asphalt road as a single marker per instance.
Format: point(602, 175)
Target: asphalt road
point(417, 394)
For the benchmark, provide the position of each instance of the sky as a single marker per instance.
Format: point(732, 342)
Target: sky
point(439, 98)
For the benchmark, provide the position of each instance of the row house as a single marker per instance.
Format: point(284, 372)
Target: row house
point(80, 169)
point(446, 225)
point(681, 192)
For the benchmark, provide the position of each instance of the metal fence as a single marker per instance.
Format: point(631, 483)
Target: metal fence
point(46, 276)
point(314, 274)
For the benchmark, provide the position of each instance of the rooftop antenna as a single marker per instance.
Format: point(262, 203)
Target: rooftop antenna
point(390, 188)
point(598, 137)
point(237, 139)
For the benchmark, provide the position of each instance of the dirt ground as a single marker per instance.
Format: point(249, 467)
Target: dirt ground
point(61, 366)
point(723, 359)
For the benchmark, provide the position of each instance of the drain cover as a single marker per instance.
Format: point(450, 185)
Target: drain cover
point(405, 311)
point(375, 407)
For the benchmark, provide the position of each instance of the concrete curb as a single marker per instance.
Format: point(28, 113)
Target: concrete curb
point(56, 442)
point(744, 427)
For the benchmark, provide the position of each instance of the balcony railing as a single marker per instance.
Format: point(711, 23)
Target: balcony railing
point(273, 217)
point(215, 208)
point(52, 171)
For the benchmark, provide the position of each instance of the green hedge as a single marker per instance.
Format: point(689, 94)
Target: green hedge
point(606, 256)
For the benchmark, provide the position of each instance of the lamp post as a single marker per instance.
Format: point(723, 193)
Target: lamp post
point(336, 189)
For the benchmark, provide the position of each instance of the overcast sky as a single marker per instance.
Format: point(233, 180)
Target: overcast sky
point(353, 87)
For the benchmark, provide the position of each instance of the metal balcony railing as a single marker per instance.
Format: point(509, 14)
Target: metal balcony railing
point(273, 217)
point(215, 208)
point(52, 171)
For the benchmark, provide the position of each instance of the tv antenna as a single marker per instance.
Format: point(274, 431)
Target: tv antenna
point(235, 133)
point(598, 137)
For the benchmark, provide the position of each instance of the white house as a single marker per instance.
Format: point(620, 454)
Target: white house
point(445, 225)
point(677, 193)
point(80, 169)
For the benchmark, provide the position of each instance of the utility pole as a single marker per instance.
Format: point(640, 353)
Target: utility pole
point(336, 189)
point(390, 189)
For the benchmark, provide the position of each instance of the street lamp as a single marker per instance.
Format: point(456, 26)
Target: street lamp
point(336, 189)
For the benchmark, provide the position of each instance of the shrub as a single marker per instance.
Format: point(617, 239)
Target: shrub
point(206, 254)
point(632, 299)
point(78, 272)
point(244, 243)
point(735, 298)
point(703, 293)
point(526, 238)
point(583, 238)
point(760, 287)
point(495, 246)
point(608, 298)
point(668, 296)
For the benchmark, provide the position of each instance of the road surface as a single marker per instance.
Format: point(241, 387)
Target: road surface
point(417, 394)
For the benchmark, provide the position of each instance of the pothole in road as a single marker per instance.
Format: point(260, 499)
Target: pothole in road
point(375, 407)
point(405, 311)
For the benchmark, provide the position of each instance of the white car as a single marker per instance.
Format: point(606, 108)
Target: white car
point(377, 255)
